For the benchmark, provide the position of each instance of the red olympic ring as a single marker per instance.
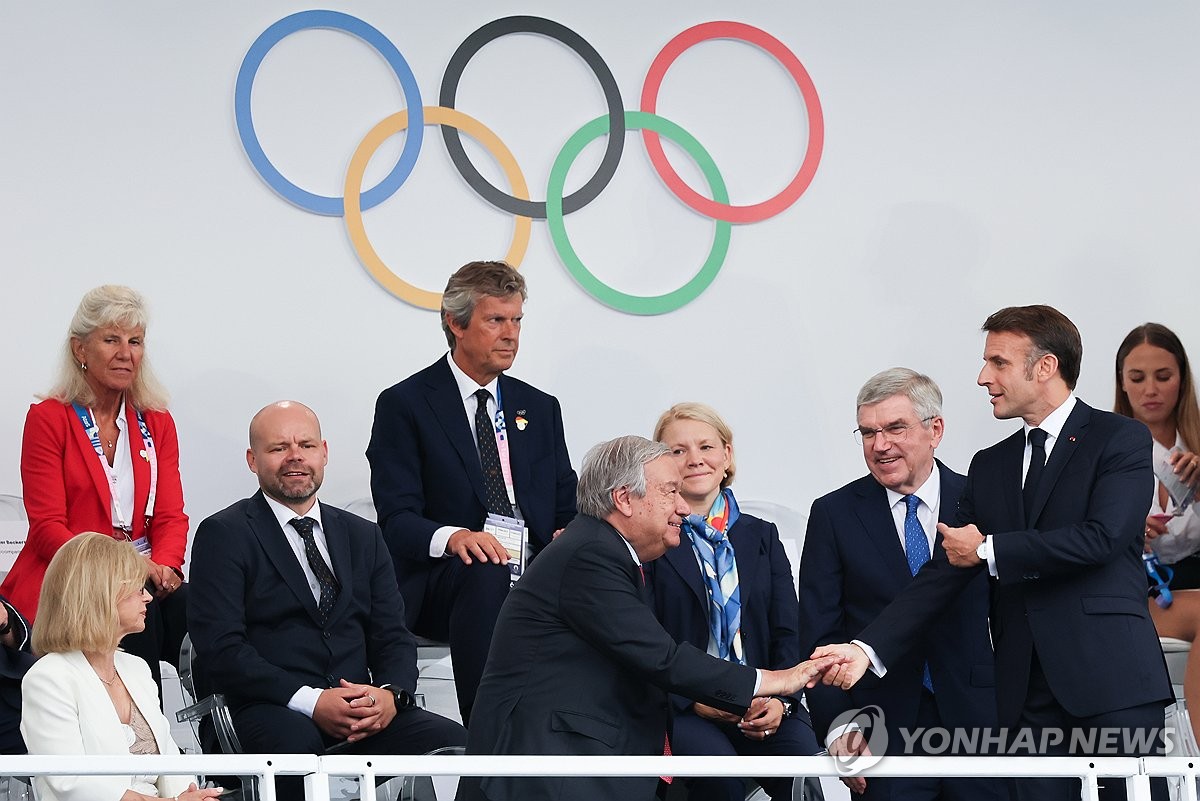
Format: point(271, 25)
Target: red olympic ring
point(812, 104)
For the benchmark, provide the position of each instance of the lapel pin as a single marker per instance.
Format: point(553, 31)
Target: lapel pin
point(1070, 439)
point(142, 453)
point(521, 421)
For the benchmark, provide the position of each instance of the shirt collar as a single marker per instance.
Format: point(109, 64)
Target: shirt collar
point(930, 492)
point(1054, 422)
point(286, 515)
point(466, 385)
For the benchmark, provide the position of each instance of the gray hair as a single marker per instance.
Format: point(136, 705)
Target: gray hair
point(473, 281)
point(102, 307)
point(620, 462)
point(920, 389)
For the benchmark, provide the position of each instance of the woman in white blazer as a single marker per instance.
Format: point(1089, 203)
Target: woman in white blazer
point(83, 696)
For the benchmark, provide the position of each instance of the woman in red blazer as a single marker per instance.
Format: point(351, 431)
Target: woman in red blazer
point(100, 454)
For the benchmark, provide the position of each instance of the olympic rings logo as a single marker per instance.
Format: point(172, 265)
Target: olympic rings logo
point(615, 122)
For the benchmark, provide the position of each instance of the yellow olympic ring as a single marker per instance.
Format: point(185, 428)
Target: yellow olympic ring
point(390, 126)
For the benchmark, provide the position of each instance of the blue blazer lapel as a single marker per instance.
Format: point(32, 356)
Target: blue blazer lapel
point(447, 409)
point(266, 528)
point(952, 486)
point(1009, 476)
point(1064, 448)
point(876, 518)
point(749, 560)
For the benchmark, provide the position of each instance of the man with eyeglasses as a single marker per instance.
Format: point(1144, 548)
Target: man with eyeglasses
point(865, 542)
point(1055, 514)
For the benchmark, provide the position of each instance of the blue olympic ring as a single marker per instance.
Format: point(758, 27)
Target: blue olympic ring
point(318, 18)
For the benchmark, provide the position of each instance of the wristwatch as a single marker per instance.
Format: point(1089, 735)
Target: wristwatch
point(788, 705)
point(982, 550)
point(403, 698)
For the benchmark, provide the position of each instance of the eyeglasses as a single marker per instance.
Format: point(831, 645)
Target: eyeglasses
point(896, 432)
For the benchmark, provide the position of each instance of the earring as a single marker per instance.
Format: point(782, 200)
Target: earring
point(83, 366)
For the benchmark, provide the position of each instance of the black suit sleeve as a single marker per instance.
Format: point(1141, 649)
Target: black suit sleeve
point(598, 600)
point(565, 480)
point(391, 648)
point(221, 568)
point(397, 487)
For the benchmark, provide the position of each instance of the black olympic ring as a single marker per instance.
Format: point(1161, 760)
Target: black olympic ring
point(612, 95)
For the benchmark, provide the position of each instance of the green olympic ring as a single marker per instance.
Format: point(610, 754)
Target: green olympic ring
point(623, 301)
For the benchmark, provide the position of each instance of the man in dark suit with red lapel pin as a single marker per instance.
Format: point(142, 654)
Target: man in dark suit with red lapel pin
point(454, 443)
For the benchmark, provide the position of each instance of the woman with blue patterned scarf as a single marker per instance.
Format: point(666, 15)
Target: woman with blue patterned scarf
point(727, 589)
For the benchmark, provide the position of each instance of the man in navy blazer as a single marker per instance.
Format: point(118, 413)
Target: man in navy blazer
point(298, 620)
point(427, 475)
point(1055, 514)
point(856, 560)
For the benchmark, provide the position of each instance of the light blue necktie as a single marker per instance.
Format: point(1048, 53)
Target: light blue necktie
point(916, 548)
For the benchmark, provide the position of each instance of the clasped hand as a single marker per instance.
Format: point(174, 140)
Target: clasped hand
point(354, 712)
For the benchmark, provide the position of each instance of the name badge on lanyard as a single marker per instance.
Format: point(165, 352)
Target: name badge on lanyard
point(92, 429)
point(502, 447)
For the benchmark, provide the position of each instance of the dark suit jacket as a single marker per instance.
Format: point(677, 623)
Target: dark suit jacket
point(1072, 584)
point(579, 665)
point(254, 622)
point(852, 567)
point(425, 470)
point(769, 621)
point(14, 662)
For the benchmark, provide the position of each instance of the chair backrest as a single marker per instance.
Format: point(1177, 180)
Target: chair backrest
point(438, 788)
point(185, 669)
point(12, 507)
point(363, 507)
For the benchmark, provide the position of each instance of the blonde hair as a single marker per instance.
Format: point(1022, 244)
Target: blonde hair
point(101, 307)
point(77, 609)
point(701, 412)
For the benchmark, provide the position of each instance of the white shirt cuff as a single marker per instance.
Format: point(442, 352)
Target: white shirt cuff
point(757, 680)
point(838, 732)
point(305, 701)
point(877, 667)
point(990, 555)
point(437, 543)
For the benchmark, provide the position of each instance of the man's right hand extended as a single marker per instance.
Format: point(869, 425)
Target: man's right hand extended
point(476, 546)
point(793, 680)
point(853, 664)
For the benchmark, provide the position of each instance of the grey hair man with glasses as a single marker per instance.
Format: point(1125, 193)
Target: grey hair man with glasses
point(865, 542)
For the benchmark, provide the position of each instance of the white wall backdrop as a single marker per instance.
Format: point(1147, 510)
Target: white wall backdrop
point(977, 155)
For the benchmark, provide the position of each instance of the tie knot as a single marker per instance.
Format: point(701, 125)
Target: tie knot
point(1037, 437)
point(913, 502)
point(304, 525)
point(483, 396)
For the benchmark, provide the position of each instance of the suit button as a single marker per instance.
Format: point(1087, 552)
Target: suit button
point(325, 634)
point(331, 681)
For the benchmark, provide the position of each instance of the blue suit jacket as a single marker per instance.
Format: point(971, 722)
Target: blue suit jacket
point(425, 470)
point(1072, 583)
point(257, 632)
point(770, 638)
point(852, 567)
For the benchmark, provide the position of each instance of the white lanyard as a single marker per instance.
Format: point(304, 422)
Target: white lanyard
point(92, 429)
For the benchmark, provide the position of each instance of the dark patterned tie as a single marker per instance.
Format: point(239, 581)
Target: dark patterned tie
point(325, 578)
point(489, 458)
point(1037, 463)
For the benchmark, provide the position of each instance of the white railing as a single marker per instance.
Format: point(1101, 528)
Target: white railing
point(317, 770)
